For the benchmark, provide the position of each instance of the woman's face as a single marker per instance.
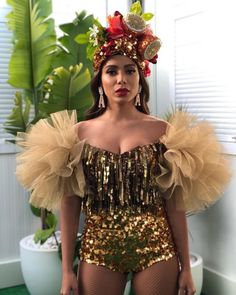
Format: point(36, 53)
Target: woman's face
point(120, 79)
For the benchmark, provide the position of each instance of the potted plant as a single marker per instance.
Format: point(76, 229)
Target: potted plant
point(43, 67)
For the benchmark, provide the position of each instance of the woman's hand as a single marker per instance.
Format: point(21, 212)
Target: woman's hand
point(69, 283)
point(186, 285)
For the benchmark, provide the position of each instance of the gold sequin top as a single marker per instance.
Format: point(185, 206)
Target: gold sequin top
point(121, 180)
point(186, 163)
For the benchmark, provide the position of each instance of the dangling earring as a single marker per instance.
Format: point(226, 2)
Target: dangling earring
point(101, 103)
point(137, 98)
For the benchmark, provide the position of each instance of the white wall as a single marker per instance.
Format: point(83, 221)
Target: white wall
point(65, 12)
point(217, 237)
point(16, 219)
point(214, 237)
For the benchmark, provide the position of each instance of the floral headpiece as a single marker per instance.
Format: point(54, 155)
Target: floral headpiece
point(127, 35)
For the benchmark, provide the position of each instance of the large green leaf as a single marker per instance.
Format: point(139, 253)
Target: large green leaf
point(18, 120)
point(42, 235)
point(51, 221)
point(34, 41)
point(82, 39)
point(64, 87)
point(74, 53)
point(36, 211)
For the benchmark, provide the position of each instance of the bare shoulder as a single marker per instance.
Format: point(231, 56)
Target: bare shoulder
point(157, 123)
point(81, 127)
point(155, 119)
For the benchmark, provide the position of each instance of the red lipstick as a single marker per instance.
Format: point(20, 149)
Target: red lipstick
point(122, 91)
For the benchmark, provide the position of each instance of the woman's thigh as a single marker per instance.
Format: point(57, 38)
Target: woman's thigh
point(159, 279)
point(96, 280)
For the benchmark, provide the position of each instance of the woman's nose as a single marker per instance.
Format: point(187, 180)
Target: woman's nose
point(121, 79)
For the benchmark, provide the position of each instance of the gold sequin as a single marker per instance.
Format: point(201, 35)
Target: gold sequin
point(127, 241)
point(126, 225)
point(127, 45)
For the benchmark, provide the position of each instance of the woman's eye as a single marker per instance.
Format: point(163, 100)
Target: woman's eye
point(114, 72)
point(130, 71)
point(111, 72)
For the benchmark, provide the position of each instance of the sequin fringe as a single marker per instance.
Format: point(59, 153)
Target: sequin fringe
point(119, 181)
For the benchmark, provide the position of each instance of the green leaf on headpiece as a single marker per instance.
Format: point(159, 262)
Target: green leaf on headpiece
point(147, 16)
point(82, 38)
point(136, 8)
point(90, 51)
point(97, 23)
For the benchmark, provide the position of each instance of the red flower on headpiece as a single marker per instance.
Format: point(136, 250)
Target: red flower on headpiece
point(116, 13)
point(146, 71)
point(115, 29)
point(154, 59)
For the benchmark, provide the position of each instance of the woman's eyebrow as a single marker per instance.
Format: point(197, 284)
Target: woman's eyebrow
point(111, 66)
point(115, 66)
point(129, 65)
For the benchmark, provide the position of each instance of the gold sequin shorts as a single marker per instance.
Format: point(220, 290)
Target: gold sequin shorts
point(126, 241)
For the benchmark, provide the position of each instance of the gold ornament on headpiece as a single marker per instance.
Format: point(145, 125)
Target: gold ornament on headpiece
point(126, 35)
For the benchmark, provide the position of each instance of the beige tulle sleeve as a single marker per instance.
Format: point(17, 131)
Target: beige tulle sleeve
point(50, 164)
point(194, 170)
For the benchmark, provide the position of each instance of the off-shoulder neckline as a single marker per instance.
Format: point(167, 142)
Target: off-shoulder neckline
point(137, 147)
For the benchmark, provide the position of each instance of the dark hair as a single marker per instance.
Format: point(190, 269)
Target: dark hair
point(94, 111)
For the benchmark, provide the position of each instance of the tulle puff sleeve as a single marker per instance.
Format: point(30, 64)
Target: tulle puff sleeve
point(194, 170)
point(50, 164)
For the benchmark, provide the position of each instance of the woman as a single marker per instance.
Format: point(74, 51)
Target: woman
point(136, 175)
point(120, 80)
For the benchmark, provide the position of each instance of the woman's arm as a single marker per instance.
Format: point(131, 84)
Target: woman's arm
point(178, 223)
point(70, 214)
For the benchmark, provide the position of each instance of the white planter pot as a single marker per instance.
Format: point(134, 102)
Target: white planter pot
point(197, 271)
point(41, 269)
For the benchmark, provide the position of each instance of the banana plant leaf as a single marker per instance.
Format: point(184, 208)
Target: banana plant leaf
point(35, 39)
point(72, 53)
point(64, 90)
point(18, 120)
